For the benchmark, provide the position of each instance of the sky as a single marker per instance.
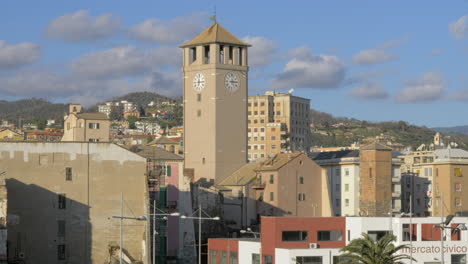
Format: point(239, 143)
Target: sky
point(370, 60)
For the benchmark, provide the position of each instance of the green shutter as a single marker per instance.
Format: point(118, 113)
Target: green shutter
point(168, 170)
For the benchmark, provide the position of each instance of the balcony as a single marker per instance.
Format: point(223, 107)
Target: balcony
point(396, 179)
point(258, 185)
point(396, 194)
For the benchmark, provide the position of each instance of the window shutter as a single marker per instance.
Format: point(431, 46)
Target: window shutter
point(169, 169)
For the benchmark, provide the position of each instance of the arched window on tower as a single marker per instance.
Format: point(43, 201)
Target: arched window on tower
point(221, 54)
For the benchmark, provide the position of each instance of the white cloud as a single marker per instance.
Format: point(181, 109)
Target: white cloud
point(80, 26)
point(262, 51)
point(124, 61)
point(173, 31)
point(373, 56)
point(460, 95)
point(459, 28)
point(13, 56)
point(305, 70)
point(430, 87)
point(369, 91)
point(379, 54)
point(54, 85)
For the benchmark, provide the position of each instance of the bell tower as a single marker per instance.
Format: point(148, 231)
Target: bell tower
point(215, 104)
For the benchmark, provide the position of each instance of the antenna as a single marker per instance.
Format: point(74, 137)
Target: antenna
point(213, 17)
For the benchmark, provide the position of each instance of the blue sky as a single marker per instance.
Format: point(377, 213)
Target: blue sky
point(371, 60)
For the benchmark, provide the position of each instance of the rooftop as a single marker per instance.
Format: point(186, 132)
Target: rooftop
point(153, 152)
point(376, 146)
point(92, 116)
point(215, 34)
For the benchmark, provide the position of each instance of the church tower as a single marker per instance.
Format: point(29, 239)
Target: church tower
point(215, 111)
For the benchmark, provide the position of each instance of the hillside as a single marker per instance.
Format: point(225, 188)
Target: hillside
point(333, 131)
point(452, 130)
point(139, 98)
point(28, 109)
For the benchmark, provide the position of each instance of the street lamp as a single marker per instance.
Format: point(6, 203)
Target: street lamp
point(445, 225)
point(122, 217)
point(164, 216)
point(410, 231)
point(249, 231)
point(200, 218)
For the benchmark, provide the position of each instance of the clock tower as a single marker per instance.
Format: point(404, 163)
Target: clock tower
point(215, 111)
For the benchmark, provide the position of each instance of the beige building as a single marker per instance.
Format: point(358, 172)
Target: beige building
point(287, 184)
point(62, 199)
point(215, 104)
point(278, 122)
point(85, 127)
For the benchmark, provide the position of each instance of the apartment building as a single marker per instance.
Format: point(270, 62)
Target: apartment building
point(285, 184)
point(428, 174)
point(85, 127)
point(62, 198)
point(292, 240)
point(343, 173)
point(277, 122)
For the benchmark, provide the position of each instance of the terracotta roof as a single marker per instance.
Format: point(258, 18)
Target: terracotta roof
point(215, 34)
point(278, 161)
point(242, 176)
point(375, 146)
point(164, 140)
point(92, 116)
point(153, 152)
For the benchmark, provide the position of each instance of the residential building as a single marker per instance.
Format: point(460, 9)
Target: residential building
point(85, 127)
point(148, 127)
point(9, 134)
point(169, 191)
point(285, 184)
point(215, 104)
point(63, 198)
point(343, 170)
point(173, 145)
point(277, 122)
point(43, 135)
point(292, 240)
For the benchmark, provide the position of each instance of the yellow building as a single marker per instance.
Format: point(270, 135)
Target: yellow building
point(215, 97)
point(278, 122)
point(8, 134)
point(85, 127)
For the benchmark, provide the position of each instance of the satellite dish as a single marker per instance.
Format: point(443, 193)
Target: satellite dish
point(291, 91)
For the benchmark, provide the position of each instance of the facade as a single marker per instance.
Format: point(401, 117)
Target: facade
point(169, 191)
point(319, 239)
point(62, 199)
point(343, 173)
point(43, 135)
point(215, 102)
point(278, 122)
point(85, 127)
point(428, 174)
point(287, 184)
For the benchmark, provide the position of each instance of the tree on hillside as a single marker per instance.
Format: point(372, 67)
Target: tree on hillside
point(366, 250)
point(131, 121)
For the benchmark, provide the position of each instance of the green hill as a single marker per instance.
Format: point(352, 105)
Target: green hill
point(29, 109)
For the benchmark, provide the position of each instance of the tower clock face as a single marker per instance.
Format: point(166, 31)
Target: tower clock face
point(199, 82)
point(231, 82)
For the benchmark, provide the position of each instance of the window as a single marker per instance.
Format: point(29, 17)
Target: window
point(268, 259)
point(301, 180)
point(262, 129)
point(346, 171)
point(301, 196)
point(207, 54)
point(93, 140)
point(273, 146)
point(337, 188)
point(203, 160)
point(62, 201)
point(61, 228)
point(278, 112)
point(93, 125)
point(61, 254)
point(370, 172)
point(213, 256)
point(295, 236)
point(458, 259)
point(230, 54)
point(458, 172)
point(198, 113)
point(458, 187)
point(255, 258)
point(458, 202)
point(339, 259)
point(337, 172)
point(68, 174)
point(272, 178)
point(221, 54)
point(337, 202)
point(240, 56)
point(309, 260)
point(333, 235)
point(428, 172)
point(223, 257)
point(255, 112)
point(193, 55)
point(346, 187)
point(262, 121)
point(407, 232)
point(199, 97)
point(272, 196)
point(262, 112)
point(273, 138)
point(233, 257)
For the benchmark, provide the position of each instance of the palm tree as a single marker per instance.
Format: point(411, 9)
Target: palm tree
point(366, 250)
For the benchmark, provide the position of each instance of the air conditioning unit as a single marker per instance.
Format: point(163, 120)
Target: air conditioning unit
point(313, 245)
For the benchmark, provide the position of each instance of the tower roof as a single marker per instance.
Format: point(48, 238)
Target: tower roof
point(375, 146)
point(215, 34)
